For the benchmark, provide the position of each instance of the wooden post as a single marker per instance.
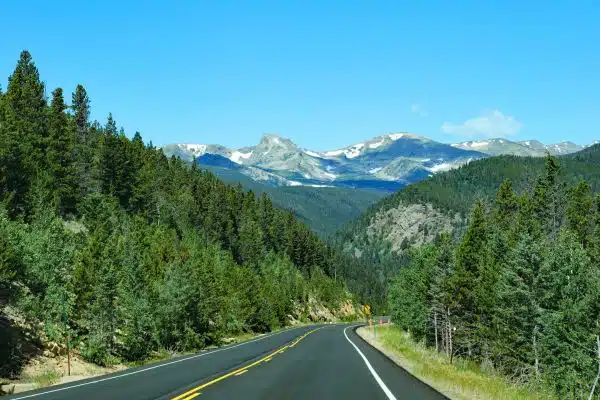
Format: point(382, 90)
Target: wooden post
point(68, 354)
point(537, 361)
point(450, 336)
point(437, 347)
point(598, 374)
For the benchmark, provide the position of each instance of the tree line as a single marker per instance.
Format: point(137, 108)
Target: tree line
point(520, 291)
point(106, 243)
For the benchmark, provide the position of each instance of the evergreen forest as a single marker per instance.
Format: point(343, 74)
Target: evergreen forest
point(110, 247)
point(519, 292)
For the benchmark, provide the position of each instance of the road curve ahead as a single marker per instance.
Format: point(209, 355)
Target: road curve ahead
point(323, 362)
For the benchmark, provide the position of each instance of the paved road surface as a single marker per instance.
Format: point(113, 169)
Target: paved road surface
point(323, 362)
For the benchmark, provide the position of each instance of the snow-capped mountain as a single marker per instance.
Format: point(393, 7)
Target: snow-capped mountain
point(386, 162)
point(533, 148)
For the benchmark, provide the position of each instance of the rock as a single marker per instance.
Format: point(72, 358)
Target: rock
point(55, 349)
point(18, 388)
point(410, 225)
point(7, 389)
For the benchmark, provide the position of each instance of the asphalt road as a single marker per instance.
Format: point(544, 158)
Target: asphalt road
point(323, 362)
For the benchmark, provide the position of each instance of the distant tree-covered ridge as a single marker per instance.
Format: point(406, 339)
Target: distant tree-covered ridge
point(457, 190)
point(325, 210)
point(105, 241)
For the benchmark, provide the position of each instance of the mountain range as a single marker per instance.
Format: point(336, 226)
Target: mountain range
point(534, 148)
point(385, 163)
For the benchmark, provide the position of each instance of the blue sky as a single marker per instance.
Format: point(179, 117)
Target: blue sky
point(325, 74)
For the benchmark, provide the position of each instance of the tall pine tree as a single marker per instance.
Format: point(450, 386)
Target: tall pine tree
point(60, 156)
point(22, 132)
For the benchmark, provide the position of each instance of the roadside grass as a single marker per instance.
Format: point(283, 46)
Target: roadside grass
point(46, 377)
point(462, 379)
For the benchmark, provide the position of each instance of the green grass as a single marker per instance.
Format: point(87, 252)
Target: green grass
point(45, 378)
point(461, 380)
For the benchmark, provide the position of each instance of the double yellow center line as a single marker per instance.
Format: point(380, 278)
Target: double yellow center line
point(195, 392)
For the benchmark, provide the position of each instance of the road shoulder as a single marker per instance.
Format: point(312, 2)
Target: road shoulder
point(370, 336)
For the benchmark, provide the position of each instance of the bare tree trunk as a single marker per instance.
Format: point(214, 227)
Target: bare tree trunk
point(447, 332)
point(450, 336)
point(68, 354)
point(535, 352)
point(437, 347)
point(598, 374)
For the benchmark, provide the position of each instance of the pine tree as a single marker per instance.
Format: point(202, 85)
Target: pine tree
point(48, 253)
point(9, 261)
point(595, 251)
point(86, 138)
point(114, 171)
point(439, 292)
point(409, 291)
point(136, 332)
point(506, 207)
point(569, 292)
point(473, 285)
point(23, 131)
point(517, 347)
point(250, 244)
point(81, 113)
point(548, 197)
point(59, 156)
point(579, 213)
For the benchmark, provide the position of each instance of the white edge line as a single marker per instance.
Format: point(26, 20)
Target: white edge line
point(379, 381)
point(153, 367)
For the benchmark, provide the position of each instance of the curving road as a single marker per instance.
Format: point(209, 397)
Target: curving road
point(322, 362)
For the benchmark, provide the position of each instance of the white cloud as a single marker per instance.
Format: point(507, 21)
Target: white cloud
point(419, 110)
point(491, 124)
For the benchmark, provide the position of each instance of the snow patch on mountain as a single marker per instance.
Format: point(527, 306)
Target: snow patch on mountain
point(312, 154)
point(237, 156)
point(334, 153)
point(349, 152)
point(395, 136)
point(441, 167)
point(197, 149)
point(375, 145)
point(375, 170)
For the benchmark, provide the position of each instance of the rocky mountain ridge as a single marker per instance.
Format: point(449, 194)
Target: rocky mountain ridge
point(386, 163)
point(534, 148)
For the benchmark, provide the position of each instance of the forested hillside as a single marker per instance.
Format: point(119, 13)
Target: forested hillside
point(325, 210)
point(107, 244)
point(457, 190)
point(519, 292)
point(419, 213)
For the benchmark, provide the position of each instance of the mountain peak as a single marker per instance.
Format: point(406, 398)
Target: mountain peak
point(274, 140)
